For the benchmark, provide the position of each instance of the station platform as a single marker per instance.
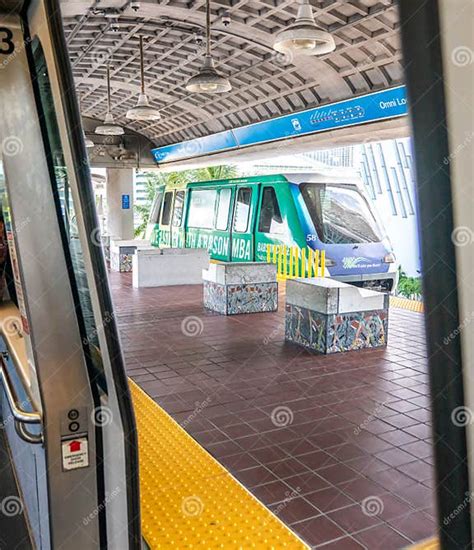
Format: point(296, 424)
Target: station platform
point(338, 447)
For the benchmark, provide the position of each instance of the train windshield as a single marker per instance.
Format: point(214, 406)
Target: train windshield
point(341, 214)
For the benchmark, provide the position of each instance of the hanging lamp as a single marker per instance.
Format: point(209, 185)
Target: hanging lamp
point(208, 80)
point(143, 110)
point(109, 128)
point(303, 37)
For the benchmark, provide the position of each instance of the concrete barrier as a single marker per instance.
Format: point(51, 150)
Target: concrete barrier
point(168, 266)
point(329, 316)
point(122, 252)
point(240, 287)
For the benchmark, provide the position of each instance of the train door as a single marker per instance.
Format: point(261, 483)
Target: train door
point(64, 397)
point(221, 243)
point(177, 220)
point(165, 220)
point(271, 227)
point(243, 222)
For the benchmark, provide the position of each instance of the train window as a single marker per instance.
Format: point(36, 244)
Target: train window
point(223, 210)
point(156, 209)
point(270, 214)
point(178, 208)
point(201, 208)
point(341, 214)
point(65, 207)
point(242, 209)
point(165, 218)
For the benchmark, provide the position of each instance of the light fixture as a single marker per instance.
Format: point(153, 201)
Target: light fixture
point(87, 142)
point(143, 110)
point(303, 37)
point(109, 128)
point(208, 80)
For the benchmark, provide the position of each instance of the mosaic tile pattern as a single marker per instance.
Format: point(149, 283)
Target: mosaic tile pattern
point(240, 298)
point(121, 262)
point(336, 333)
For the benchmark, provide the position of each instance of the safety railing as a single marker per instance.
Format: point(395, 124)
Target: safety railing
point(293, 261)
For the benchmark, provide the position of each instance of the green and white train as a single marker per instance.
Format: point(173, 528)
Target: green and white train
point(236, 220)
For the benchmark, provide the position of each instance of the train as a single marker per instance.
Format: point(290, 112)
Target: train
point(236, 219)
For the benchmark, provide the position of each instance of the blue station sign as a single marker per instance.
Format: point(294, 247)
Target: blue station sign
point(372, 107)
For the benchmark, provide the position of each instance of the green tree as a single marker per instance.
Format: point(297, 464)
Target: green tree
point(155, 179)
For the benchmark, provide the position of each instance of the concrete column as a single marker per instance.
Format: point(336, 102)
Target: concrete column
point(119, 197)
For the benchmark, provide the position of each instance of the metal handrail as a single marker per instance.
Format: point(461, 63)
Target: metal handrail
point(20, 416)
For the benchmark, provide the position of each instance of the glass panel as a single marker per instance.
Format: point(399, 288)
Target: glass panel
point(156, 209)
point(178, 208)
point(223, 211)
point(341, 214)
point(66, 210)
point(201, 208)
point(270, 215)
point(165, 219)
point(242, 209)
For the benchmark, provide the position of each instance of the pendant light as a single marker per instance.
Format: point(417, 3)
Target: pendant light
point(87, 142)
point(303, 37)
point(109, 128)
point(143, 110)
point(208, 80)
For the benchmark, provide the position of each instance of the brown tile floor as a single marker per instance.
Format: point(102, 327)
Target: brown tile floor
point(338, 446)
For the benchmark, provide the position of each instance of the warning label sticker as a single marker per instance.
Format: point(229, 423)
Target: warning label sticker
point(75, 453)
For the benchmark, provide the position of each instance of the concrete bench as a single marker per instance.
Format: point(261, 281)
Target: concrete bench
point(240, 287)
point(329, 316)
point(168, 266)
point(122, 252)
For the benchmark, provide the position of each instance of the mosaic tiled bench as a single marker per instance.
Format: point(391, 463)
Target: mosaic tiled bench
point(231, 288)
point(122, 252)
point(328, 316)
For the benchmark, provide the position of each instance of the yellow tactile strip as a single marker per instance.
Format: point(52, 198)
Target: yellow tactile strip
point(188, 499)
point(405, 303)
point(430, 544)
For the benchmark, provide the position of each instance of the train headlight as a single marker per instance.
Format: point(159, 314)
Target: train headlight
point(389, 258)
point(329, 262)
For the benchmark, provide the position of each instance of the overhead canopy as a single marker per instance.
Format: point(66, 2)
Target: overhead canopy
point(265, 84)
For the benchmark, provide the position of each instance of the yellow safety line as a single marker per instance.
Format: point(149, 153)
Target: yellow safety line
point(430, 544)
point(188, 500)
point(405, 303)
